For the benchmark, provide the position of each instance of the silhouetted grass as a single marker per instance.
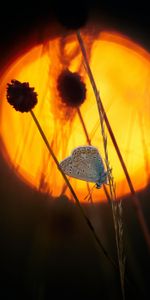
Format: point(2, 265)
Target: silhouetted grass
point(102, 114)
point(116, 207)
point(94, 234)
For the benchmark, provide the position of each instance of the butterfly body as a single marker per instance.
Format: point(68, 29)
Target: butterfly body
point(85, 163)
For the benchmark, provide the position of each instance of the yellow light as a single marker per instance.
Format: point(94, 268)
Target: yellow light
point(121, 70)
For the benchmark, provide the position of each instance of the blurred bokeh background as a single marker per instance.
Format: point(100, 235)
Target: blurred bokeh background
point(46, 248)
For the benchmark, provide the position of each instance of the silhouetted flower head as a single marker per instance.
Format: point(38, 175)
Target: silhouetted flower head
point(21, 96)
point(72, 89)
point(72, 15)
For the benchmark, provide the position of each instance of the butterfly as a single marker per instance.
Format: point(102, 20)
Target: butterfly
point(85, 163)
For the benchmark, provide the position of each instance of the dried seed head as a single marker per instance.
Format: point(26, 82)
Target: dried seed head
point(21, 96)
point(72, 89)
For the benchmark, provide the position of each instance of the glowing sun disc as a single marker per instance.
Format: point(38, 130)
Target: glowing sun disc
point(122, 73)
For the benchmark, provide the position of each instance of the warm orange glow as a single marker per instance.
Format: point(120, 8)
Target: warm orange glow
point(122, 72)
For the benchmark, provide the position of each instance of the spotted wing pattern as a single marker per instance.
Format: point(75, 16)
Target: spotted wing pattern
point(84, 163)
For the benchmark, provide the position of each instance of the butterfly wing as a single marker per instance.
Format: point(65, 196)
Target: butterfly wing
point(85, 164)
point(90, 155)
point(66, 165)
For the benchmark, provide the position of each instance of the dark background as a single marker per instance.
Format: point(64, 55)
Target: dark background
point(46, 247)
point(131, 17)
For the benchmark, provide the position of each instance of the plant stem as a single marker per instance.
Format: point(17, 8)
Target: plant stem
point(90, 226)
point(136, 202)
point(112, 197)
point(89, 142)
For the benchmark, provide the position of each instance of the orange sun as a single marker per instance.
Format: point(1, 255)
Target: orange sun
point(122, 73)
